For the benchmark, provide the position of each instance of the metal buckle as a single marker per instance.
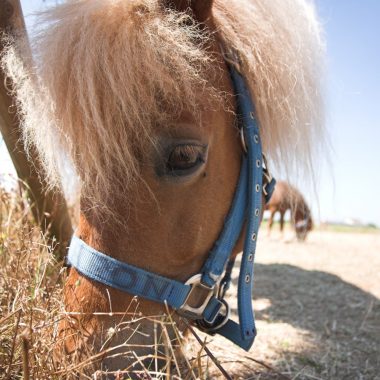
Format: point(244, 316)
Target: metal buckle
point(267, 177)
point(220, 318)
point(219, 321)
point(196, 312)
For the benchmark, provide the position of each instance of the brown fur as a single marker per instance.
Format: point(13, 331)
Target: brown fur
point(286, 197)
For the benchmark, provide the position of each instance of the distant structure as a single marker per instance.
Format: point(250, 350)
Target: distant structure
point(353, 222)
point(287, 197)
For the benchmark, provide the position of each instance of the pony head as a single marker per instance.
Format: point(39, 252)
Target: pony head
point(137, 96)
point(303, 227)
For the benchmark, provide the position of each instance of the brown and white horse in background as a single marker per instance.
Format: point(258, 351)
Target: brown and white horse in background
point(137, 96)
point(286, 197)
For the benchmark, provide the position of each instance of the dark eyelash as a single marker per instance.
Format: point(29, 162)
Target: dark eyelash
point(181, 159)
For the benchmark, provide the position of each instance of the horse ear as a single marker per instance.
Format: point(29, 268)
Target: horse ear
point(201, 9)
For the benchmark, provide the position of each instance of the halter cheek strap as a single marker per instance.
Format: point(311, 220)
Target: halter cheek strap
point(211, 312)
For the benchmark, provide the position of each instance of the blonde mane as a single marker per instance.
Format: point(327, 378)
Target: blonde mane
point(108, 70)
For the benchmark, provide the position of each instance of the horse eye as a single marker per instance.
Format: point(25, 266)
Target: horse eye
point(185, 158)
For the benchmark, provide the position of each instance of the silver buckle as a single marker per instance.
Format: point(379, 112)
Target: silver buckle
point(267, 177)
point(196, 312)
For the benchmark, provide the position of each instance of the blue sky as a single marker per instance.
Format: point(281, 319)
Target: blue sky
point(353, 100)
point(351, 187)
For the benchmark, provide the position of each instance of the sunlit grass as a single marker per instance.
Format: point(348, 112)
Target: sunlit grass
point(31, 307)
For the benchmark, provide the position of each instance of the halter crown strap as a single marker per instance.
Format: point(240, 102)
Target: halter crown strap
point(212, 312)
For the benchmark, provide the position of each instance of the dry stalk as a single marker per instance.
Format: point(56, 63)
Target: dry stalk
point(8, 375)
point(367, 314)
point(180, 340)
point(267, 366)
point(25, 355)
point(209, 353)
point(146, 372)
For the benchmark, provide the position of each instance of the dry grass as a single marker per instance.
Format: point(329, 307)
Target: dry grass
point(317, 308)
point(30, 294)
point(31, 306)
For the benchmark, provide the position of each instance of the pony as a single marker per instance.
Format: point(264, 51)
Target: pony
point(287, 197)
point(136, 95)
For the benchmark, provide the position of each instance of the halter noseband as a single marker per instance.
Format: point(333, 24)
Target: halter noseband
point(211, 312)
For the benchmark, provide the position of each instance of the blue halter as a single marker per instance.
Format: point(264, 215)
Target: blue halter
point(211, 312)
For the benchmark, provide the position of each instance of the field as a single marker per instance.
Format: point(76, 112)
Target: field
point(317, 306)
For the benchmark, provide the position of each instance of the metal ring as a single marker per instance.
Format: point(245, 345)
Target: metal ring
point(220, 322)
point(195, 312)
point(242, 140)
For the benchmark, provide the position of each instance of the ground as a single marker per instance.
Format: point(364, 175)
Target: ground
point(317, 309)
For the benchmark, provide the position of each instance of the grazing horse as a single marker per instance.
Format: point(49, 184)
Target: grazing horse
point(286, 197)
point(138, 96)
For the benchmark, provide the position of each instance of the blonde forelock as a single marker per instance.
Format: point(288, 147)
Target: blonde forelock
point(108, 71)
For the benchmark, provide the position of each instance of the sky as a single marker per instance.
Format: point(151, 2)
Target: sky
point(352, 30)
point(350, 186)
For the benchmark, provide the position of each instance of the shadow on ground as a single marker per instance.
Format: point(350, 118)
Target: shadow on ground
point(343, 322)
